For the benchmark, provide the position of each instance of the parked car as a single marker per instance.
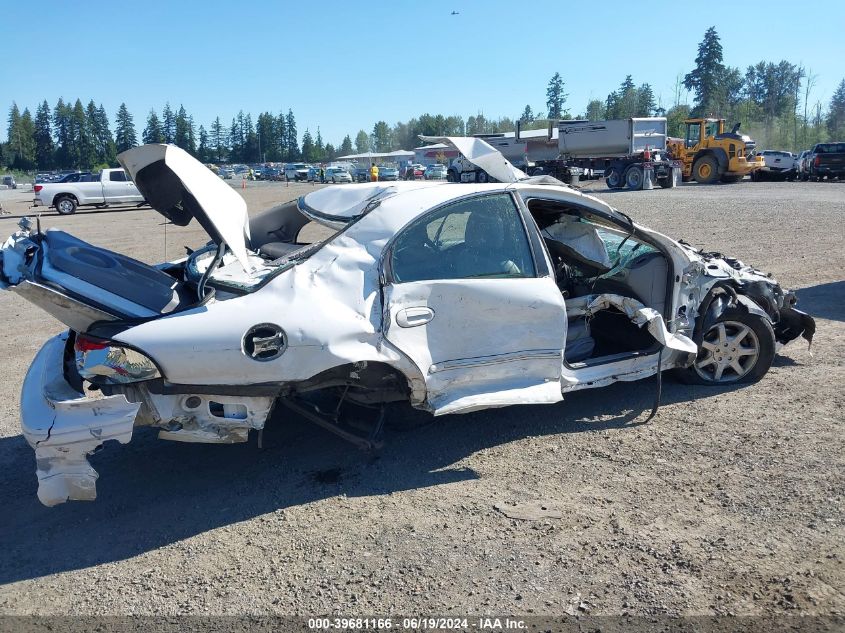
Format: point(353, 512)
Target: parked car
point(111, 186)
point(388, 172)
point(296, 171)
point(273, 173)
point(404, 304)
point(77, 176)
point(337, 174)
point(827, 160)
point(778, 166)
point(800, 165)
point(361, 173)
point(413, 172)
point(9, 181)
point(435, 172)
point(227, 173)
point(314, 174)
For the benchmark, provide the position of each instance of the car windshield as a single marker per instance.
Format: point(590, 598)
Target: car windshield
point(831, 148)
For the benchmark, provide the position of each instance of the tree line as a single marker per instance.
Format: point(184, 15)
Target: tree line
point(772, 100)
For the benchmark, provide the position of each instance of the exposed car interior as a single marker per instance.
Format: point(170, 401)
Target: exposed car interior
point(274, 233)
point(593, 257)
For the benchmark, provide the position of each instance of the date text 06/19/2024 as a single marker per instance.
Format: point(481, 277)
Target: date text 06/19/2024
point(417, 624)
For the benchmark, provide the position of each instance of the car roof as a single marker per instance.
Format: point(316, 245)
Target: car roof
point(395, 204)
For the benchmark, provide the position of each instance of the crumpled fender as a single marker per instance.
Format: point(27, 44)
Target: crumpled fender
point(752, 308)
point(64, 426)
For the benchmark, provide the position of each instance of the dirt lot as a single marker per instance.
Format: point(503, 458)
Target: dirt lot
point(729, 501)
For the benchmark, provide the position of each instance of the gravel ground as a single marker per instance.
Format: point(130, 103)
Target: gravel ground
point(728, 502)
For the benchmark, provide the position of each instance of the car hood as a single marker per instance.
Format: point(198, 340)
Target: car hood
point(181, 188)
point(482, 155)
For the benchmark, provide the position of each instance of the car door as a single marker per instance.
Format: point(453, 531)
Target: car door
point(118, 187)
point(469, 298)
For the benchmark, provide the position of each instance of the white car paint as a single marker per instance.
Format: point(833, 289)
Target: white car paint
point(458, 345)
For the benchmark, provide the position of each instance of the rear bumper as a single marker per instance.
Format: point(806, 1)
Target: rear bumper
point(828, 170)
point(64, 426)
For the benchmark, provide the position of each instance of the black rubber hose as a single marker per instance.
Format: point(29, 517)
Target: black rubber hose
point(218, 257)
point(659, 394)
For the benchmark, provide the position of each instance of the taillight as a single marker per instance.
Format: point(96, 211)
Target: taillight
point(85, 343)
point(104, 362)
point(817, 161)
point(37, 188)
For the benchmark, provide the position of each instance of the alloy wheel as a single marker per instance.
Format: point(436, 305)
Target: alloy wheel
point(729, 351)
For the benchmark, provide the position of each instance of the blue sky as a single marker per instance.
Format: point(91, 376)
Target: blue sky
point(345, 65)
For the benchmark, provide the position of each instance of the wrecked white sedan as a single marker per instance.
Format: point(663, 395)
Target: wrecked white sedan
point(451, 298)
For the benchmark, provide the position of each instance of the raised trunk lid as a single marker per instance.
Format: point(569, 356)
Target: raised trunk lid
point(181, 188)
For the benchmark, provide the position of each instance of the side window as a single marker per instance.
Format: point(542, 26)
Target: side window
point(118, 176)
point(693, 134)
point(479, 237)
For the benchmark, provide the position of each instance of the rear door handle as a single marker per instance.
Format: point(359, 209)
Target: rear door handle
point(412, 317)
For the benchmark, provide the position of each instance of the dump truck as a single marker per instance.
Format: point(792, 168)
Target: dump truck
point(631, 152)
point(709, 154)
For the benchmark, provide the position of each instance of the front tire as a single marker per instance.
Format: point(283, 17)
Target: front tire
point(66, 205)
point(705, 171)
point(738, 348)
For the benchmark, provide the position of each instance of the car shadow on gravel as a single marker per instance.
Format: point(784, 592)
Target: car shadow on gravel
point(825, 301)
point(154, 493)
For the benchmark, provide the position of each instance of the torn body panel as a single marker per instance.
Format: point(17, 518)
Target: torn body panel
point(641, 315)
point(753, 290)
point(64, 426)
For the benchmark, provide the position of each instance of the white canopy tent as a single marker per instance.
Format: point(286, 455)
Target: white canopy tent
point(398, 155)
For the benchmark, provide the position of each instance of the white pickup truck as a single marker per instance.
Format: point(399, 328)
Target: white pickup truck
point(113, 187)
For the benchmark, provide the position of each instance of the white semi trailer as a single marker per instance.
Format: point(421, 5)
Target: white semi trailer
point(629, 152)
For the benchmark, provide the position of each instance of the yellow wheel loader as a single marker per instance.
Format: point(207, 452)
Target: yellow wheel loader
point(709, 154)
